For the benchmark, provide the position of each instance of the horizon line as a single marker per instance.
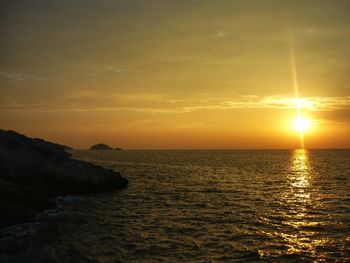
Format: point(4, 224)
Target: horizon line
point(213, 149)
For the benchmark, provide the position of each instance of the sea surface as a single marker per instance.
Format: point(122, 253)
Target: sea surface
point(199, 206)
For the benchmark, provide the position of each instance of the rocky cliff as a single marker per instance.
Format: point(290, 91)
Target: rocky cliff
point(33, 172)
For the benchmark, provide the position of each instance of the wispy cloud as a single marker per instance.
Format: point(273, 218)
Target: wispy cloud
point(157, 104)
point(276, 102)
point(115, 69)
point(11, 76)
point(308, 103)
point(19, 77)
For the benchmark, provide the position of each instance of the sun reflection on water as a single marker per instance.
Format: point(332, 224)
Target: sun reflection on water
point(300, 170)
point(303, 233)
point(298, 225)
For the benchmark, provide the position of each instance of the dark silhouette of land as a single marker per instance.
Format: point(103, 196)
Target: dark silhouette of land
point(34, 172)
point(100, 146)
point(67, 148)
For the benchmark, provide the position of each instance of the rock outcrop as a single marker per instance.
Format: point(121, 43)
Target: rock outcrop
point(100, 146)
point(33, 172)
point(67, 148)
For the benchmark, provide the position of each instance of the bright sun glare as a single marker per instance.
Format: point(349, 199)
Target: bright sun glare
point(301, 124)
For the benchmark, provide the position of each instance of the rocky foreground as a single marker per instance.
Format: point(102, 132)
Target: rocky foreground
point(33, 172)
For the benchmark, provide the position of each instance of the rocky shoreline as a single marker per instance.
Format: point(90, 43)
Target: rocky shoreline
point(33, 172)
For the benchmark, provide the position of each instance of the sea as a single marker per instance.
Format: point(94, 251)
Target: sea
point(199, 206)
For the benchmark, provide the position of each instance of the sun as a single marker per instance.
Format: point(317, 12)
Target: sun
point(301, 124)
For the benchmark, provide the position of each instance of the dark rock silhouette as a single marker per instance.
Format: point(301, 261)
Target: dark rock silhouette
point(67, 148)
point(33, 172)
point(118, 149)
point(100, 146)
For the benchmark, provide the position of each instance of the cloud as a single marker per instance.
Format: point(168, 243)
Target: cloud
point(221, 34)
point(157, 104)
point(115, 70)
point(11, 76)
point(19, 77)
point(257, 102)
point(308, 103)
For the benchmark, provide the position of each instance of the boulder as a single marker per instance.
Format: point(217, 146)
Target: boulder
point(33, 172)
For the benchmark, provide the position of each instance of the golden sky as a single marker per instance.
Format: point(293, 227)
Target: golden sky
point(191, 74)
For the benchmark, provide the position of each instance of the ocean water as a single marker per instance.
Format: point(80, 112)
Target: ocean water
point(199, 206)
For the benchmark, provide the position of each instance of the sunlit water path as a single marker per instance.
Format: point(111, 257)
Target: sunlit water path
point(201, 206)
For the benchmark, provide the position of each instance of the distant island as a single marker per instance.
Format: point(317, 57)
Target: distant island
point(102, 146)
point(33, 172)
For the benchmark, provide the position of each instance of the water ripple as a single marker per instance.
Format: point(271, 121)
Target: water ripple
point(202, 206)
